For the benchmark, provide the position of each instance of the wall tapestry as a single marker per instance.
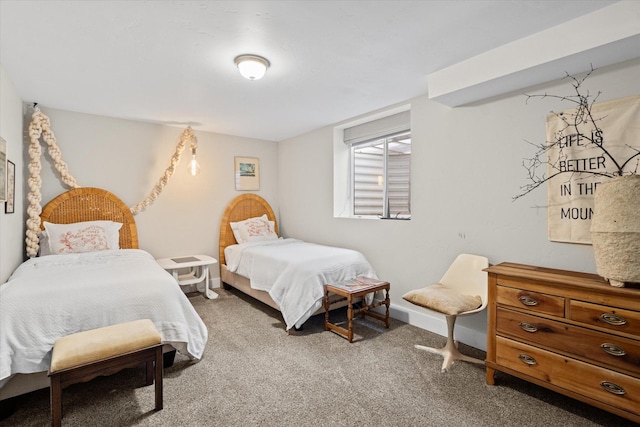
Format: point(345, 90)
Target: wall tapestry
point(570, 196)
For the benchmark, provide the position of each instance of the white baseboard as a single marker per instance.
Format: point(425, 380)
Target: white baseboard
point(437, 324)
point(215, 282)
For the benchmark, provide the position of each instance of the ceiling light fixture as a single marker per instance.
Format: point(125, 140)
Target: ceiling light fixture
point(252, 67)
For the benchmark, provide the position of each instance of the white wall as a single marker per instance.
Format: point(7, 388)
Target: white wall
point(12, 226)
point(127, 158)
point(466, 167)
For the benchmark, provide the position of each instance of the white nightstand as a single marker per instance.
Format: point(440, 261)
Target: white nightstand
point(198, 272)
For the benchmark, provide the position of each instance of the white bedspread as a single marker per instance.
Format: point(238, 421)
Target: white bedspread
point(295, 272)
point(57, 295)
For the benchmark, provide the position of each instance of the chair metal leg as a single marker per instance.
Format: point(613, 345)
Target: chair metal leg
point(450, 350)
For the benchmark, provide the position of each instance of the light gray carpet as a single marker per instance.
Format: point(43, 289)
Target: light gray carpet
point(254, 374)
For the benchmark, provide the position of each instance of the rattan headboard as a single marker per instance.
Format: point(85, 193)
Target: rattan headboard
point(92, 204)
point(242, 207)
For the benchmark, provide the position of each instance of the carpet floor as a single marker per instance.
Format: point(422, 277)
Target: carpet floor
point(255, 374)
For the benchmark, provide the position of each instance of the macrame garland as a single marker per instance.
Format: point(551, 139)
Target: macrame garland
point(40, 126)
point(34, 182)
point(187, 136)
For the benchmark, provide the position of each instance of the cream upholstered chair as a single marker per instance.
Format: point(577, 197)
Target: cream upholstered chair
point(461, 291)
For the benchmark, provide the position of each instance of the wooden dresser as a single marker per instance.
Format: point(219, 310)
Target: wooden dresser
point(570, 332)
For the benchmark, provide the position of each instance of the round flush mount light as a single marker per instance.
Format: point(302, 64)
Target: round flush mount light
point(252, 67)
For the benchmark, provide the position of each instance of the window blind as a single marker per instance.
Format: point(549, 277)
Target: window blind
point(398, 184)
point(379, 128)
point(368, 186)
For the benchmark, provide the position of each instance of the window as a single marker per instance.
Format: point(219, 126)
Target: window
point(381, 177)
point(380, 165)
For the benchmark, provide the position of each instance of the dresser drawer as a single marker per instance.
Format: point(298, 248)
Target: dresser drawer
point(612, 388)
point(533, 301)
point(602, 348)
point(614, 319)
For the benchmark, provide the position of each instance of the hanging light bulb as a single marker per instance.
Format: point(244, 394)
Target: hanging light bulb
point(193, 166)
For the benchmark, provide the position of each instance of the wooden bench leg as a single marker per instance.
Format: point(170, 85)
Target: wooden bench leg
point(158, 378)
point(387, 302)
point(149, 365)
point(56, 401)
point(350, 318)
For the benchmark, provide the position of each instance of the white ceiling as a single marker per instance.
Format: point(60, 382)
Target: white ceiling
point(171, 62)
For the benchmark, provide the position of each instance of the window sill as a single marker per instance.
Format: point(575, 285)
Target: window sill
point(374, 217)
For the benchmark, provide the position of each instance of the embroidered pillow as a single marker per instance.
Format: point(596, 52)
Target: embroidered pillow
point(88, 236)
point(254, 229)
point(443, 300)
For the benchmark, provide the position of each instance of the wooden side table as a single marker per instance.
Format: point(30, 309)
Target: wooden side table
point(198, 272)
point(349, 290)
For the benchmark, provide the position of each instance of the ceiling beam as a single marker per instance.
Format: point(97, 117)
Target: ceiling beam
point(607, 36)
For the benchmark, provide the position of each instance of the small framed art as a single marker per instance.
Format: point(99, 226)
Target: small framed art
point(247, 173)
point(9, 206)
point(3, 170)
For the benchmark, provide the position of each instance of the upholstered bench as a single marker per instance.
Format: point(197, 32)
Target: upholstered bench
point(85, 355)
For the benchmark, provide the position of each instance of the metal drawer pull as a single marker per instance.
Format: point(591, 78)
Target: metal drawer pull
point(528, 327)
point(613, 349)
point(528, 300)
point(613, 388)
point(525, 358)
point(613, 319)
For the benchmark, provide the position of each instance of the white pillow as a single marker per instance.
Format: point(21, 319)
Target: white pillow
point(88, 236)
point(236, 231)
point(254, 229)
point(43, 243)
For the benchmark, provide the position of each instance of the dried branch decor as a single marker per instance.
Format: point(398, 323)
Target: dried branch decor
point(586, 146)
point(579, 128)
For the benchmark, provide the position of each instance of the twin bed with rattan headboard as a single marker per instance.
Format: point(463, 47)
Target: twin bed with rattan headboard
point(241, 208)
point(287, 274)
point(51, 296)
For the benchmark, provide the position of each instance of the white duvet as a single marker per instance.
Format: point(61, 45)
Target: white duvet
point(57, 295)
point(294, 272)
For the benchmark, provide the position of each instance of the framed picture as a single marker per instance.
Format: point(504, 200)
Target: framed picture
point(3, 170)
point(247, 173)
point(9, 206)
